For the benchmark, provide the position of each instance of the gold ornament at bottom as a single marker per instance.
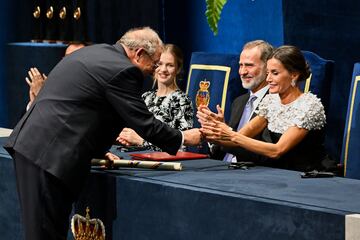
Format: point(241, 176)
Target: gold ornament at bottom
point(84, 228)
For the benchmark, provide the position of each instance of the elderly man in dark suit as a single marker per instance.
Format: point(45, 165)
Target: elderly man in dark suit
point(87, 99)
point(252, 70)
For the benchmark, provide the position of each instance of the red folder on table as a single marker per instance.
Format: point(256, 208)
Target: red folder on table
point(163, 156)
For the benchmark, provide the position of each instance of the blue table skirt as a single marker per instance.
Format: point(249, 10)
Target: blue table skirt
point(204, 201)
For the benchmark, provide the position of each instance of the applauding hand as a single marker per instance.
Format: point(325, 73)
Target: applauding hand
point(35, 81)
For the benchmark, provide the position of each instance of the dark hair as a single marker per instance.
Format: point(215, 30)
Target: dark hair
point(293, 60)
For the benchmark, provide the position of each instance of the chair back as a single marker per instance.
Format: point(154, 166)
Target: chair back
point(223, 84)
point(350, 156)
point(319, 82)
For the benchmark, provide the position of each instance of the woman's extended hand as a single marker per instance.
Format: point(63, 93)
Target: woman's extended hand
point(216, 131)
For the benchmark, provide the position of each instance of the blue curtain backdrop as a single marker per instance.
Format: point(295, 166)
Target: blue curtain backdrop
point(2, 66)
point(6, 24)
point(241, 21)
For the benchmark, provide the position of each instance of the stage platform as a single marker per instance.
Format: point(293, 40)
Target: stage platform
point(206, 201)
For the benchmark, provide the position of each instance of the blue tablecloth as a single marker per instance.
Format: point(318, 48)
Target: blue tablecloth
point(204, 201)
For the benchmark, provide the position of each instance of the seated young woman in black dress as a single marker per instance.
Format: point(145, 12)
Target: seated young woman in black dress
point(168, 103)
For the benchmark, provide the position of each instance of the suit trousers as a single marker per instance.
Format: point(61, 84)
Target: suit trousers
point(44, 201)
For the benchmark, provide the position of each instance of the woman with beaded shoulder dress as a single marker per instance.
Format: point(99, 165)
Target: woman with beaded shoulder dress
point(168, 103)
point(294, 119)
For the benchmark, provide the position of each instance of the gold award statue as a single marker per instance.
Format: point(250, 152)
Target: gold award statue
point(62, 13)
point(203, 94)
point(77, 13)
point(50, 12)
point(37, 12)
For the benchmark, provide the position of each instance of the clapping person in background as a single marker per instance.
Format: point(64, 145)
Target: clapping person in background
point(168, 103)
point(36, 79)
point(293, 118)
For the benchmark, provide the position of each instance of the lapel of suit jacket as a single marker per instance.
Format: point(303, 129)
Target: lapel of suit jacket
point(257, 107)
point(238, 111)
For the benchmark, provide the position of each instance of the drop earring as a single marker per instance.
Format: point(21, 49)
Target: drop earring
point(293, 82)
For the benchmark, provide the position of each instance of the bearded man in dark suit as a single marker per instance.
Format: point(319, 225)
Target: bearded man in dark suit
point(86, 101)
point(252, 71)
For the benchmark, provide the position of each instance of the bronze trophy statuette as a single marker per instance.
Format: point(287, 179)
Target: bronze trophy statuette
point(50, 12)
point(37, 12)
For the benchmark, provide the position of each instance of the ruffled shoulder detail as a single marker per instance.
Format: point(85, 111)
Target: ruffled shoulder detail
point(310, 113)
point(268, 102)
point(305, 112)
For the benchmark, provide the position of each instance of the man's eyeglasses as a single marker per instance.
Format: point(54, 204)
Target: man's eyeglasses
point(154, 61)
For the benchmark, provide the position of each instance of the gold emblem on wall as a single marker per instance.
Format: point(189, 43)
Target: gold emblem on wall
point(203, 94)
point(62, 13)
point(37, 12)
point(77, 13)
point(50, 12)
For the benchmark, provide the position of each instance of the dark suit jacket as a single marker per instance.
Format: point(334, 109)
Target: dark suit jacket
point(87, 99)
point(237, 108)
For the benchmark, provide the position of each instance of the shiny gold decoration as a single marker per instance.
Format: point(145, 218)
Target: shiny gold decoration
point(37, 12)
point(203, 94)
point(84, 228)
point(77, 13)
point(62, 13)
point(50, 12)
